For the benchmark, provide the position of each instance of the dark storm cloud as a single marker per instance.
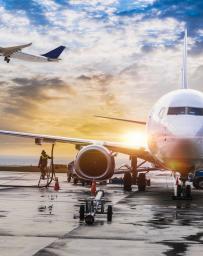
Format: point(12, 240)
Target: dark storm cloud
point(26, 94)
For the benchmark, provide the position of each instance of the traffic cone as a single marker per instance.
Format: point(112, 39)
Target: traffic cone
point(93, 188)
point(56, 186)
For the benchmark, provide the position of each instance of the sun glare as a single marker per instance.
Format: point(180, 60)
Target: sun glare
point(135, 139)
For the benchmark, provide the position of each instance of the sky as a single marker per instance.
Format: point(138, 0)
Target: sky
point(121, 56)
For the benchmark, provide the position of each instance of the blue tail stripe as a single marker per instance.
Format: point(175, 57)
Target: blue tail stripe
point(54, 54)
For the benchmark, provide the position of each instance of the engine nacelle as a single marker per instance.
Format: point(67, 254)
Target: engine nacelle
point(94, 162)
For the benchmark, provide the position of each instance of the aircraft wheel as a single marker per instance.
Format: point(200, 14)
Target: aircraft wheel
point(188, 191)
point(141, 182)
point(109, 213)
point(127, 182)
point(134, 178)
point(179, 190)
point(82, 212)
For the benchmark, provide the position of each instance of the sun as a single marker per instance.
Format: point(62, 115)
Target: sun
point(135, 139)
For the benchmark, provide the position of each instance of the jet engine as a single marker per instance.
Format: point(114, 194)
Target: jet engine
point(94, 162)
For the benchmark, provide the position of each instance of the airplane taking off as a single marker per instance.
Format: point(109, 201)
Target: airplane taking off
point(16, 52)
point(174, 132)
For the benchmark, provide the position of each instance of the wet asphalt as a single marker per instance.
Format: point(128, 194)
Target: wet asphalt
point(44, 222)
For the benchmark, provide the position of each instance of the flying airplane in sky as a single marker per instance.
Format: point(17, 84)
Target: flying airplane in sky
point(174, 133)
point(16, 52)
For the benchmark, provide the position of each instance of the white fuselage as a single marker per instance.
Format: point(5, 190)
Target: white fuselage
point(175, 130)
point(29, 57)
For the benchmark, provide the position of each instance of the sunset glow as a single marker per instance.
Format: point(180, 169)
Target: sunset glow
point(135, 139)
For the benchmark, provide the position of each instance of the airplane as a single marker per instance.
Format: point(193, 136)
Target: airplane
point(16, 52)
point(174, 137)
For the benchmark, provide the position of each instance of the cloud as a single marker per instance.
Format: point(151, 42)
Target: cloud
point(27, 95)
point(121, 57)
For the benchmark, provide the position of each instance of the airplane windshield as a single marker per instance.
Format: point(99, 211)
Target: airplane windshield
point(185, 111)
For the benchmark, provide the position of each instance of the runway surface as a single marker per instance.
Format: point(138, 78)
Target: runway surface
point(42, 222)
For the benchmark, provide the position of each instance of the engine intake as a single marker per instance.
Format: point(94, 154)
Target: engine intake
point(94, 162)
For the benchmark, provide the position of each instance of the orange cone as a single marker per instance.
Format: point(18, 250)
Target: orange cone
point(56, 186)
point(93, 188)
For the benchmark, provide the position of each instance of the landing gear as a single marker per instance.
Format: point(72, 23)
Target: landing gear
point(130, 178)
point(141, 182)
point(182, 190)
point(7, 59)
point(133, 160)
point(127, 182)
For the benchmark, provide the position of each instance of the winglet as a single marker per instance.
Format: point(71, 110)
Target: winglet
point(54, 54)
point(184, 65)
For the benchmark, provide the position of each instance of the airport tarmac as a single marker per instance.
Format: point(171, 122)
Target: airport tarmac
point(43, 222)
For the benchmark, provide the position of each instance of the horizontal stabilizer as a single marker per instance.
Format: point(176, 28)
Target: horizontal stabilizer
point(123, 120)
point(54, 54)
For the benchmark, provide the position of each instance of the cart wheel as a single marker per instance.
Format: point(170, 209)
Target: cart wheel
point(109, 213)
point(82, 212)
point(102, 208)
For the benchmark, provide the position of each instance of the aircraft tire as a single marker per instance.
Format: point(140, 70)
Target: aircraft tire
point(179, 190)
point(127, 182)
point(141, 182)
point(188, 191)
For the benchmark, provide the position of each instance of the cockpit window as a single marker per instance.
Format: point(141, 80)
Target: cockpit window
point(185, 111)
point(195, 111)
point(176, 111)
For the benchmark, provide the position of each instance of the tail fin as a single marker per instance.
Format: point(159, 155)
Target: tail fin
point(184, 67)
point(54, 54)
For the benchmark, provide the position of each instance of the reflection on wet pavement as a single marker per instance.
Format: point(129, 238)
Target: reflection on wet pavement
point(149, 223)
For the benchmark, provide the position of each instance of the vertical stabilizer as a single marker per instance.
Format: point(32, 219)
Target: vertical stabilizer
point(184, 67)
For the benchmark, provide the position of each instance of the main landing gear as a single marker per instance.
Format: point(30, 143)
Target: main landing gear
point(132, 177)
point(182, 189)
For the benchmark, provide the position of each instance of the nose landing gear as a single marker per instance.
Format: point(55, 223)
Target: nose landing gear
point(182, 190)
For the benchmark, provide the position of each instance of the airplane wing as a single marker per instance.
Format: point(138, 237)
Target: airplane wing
point(113, 146)
point(123, 120)
point(7, 51)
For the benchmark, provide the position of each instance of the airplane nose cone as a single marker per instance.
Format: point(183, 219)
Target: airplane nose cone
point(186, 127)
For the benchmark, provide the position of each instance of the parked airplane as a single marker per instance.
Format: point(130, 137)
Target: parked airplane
point(16, 52)
point(175, 139)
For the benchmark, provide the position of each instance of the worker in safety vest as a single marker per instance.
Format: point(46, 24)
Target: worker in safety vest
point(43, 161)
